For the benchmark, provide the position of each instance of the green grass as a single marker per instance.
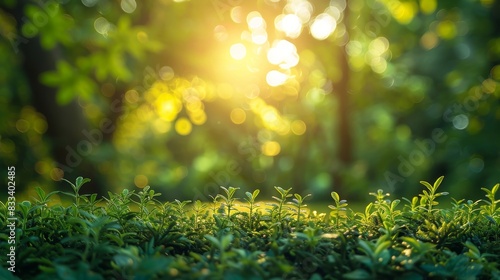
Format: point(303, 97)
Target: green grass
point(132, 235)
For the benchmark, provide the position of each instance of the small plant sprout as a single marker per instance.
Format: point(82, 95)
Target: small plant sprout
point(79, 182)
point(180, 207)
point(146, 199)
point(338, 208)
point(298, 203)
point(491, 208)
point(471, 208)
point(251, 206)
point(228, 199)
point(198, 208)
point(43, 198)
point(413, 204)
point(428, 197)
point(385, 209)
point(380, 197)
point(284, 194)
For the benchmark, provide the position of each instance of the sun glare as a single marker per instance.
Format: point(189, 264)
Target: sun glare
point(238, 51)
point(284, 54)
point(255, 21)
point(168, 106)
point(183, 126)
point(301, 8)
point(259, 36)
point(238, 116)
point(275, 78)
point(289, 24)
point(271, 148)
point(298, 127)
point(323, 26)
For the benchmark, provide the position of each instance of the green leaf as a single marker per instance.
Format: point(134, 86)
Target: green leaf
point(335, 196)
point(226, 241)
point(427, 185)
point(51, 79)
point(382, 246)
point(438, 182)
point(64, 95)
point(366, 247)
point(213, 240)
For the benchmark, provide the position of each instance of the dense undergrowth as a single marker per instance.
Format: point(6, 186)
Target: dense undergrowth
point(132, 235)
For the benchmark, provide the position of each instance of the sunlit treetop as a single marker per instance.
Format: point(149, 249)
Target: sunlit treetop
point(272, 38)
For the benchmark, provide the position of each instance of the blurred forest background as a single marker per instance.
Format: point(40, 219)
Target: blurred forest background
point(185, 96)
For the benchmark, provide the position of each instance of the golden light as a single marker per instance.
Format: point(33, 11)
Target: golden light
point(238, 51)
point(225, 90)
point(378, 64)
point(428, 6)
point(271, 148)
point(259, 36)
point(238, 116)
point(144, 113)
point(377, 53)
point(198, 117)
point(429, 40)
point(446, 29)
point(255, 21)
point(167, 106)
point(183, 126)
point(220, 33)
point(323, 26)
point(194, 104)
point(290, 24)
point(404, 12)
point(42, 167)
point(141, 181)
point(166, 73)
point(275, 78)
point(284, 54)
point(237, 14)
point(301, 8)
point(161, 126)
point(378, 46)
point(270, 115)
point(298, 127)
point(283, 127)
point(274, 56)
point(132, 96)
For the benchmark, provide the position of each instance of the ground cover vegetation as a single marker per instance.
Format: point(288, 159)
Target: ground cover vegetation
point(187, 96)
point(133, 235)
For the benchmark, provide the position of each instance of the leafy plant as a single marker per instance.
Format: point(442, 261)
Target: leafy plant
point(338, 208)
point(428, 197)
point(492, 202)
point(251, 200)
point(79, 182)
point(228, 200)
point(133, 235)
point(298, 203)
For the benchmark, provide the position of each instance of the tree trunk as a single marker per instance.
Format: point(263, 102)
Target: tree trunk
point(341, 88)
point(65, 123)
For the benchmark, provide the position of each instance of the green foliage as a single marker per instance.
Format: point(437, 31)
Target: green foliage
point(338, 208)
point(428, 197)
point(135, 236)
